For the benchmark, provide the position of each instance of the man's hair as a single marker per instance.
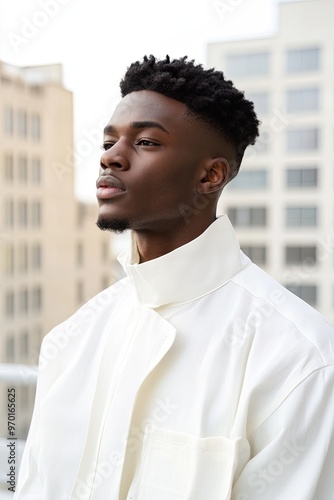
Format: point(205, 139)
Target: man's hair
point(205, 92)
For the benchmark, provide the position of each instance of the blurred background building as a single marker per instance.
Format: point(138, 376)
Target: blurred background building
point(282, 201)
point(53, 258)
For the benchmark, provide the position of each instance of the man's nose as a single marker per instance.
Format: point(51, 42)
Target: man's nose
point(115, 157)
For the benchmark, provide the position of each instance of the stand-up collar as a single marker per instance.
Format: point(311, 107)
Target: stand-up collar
point(190, 271)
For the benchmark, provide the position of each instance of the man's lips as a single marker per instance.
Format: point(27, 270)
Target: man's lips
point(108, 186)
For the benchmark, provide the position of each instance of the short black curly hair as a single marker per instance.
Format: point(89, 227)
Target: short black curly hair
point(205, 92)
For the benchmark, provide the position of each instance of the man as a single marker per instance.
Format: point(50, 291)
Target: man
point(197, 376)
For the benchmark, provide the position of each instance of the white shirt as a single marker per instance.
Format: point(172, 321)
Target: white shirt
point(195, 377)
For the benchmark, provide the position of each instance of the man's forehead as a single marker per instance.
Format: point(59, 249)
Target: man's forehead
point(148, 105)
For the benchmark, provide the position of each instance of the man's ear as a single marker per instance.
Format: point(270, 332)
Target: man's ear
point(217, 172)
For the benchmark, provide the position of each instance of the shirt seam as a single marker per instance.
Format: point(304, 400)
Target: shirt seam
point(331, 365)
point(324, 362)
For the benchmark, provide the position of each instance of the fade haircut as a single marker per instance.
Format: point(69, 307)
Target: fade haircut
point(205, 92)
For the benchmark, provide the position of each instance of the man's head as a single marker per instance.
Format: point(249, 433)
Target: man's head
point(196, 125)
point(206, 93)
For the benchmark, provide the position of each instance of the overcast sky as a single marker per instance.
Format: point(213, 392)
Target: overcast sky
point(96, 40)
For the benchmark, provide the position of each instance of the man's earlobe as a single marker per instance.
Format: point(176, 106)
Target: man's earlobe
point(217, 175)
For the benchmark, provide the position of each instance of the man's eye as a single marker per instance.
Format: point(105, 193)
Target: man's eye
point(107, 145)
point(146, 142)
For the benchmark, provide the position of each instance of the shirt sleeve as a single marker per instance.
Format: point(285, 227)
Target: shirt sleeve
point(292, 452)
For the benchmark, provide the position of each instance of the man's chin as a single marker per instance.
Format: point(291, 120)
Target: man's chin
point(116, 225)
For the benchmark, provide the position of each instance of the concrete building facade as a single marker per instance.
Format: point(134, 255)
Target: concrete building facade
point(53, 258)
point(282, 202)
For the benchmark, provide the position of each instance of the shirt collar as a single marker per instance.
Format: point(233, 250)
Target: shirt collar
point(190, 271)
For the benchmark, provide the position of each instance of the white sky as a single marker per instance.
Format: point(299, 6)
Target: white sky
point(96, 41)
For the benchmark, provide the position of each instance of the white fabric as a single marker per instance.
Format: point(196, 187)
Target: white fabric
point(195, 377)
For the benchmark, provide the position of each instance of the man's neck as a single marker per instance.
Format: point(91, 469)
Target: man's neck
point(153, 244)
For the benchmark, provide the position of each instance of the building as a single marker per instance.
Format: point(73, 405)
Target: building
point(52, 256)
point(282, 202)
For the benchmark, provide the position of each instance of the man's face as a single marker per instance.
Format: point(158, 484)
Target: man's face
point(152, 163)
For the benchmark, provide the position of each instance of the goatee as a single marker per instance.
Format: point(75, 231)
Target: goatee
point(116, 225)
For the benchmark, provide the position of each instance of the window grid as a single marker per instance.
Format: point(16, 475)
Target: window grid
point(9, 168)
point(22, 123)
point(299, 100)
point(303, 139)
point(250, 179)
point(36, 214)
point(303, 60)
point(23, 169)
point(302, 177)
point(248, 216)
point(257, 253)
point(300, 255)
point(301, 216)
point(308, 293)
point(36, 171)
point(251, 64)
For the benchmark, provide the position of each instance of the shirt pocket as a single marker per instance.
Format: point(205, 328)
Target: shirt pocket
point(178, 466)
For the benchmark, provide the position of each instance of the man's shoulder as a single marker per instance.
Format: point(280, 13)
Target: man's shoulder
point(83, 330)
point(98, 309)
point(104, 299)
point(278, 309)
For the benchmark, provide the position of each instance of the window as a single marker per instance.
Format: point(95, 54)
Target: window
point(302, 177)
point(257, 253)
point(24, 344)
point(10, 348)
point(22, 123)
point(23, 258)
point(9, 304)
point(105, 282)
point(248, 216)
point(9, 213)
point(8, 120)
point(36, 214)
point(105, 251)
point(80, 292)
point(250, 179)
point(23, 169)
point(24, 401)
point(9, 168)
point(36, 127)
point(23, 301)
point(300, 255)
point(299, 100)
point(262, 144)
point(36, 172)
point(9, 260)
point(80, 253)
point(36, 257)
point(22, 210)
point(36, 298)
point(305, 292)
point(301, 216)
point(301, 60)
point(81, 214)
point(256, 64)
point(302, 139)
point(260, 100)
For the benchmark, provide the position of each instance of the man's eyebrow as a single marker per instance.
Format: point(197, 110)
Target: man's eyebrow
point(110, 129)
point(148, 124)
